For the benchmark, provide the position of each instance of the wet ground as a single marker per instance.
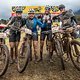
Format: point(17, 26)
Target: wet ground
point(43, 71)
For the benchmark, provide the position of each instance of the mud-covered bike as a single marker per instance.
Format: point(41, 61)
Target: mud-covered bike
point(24, 52)
point(70, 50)
point(71, 47)
point(56, 44)
point(4, 52)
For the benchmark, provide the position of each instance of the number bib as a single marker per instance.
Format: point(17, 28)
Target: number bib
point(55, 27)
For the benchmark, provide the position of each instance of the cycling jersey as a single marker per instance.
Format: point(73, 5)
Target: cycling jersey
point(17, 23)
point(67, 18)
point(32, 24)
point(48, 22)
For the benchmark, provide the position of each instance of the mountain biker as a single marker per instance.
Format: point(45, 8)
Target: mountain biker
point(31, 23)
point(46, 18)
point(68, 18)
point(15, 24)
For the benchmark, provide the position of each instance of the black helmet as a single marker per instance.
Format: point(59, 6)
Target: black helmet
point(18, 11)
point(61, 6)
point(31, 11)
point(47, 7)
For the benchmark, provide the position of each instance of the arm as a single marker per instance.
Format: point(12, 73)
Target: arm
point(40, 24)
point(23, 22)
point(10, 22)
point(74, 19)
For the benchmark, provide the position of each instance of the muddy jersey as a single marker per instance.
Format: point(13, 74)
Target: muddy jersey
point(17, 23)
point(32, 24)
point(66, 18)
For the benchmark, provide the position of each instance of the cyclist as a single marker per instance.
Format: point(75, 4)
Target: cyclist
point(16, 23)
point(68, 18)
point(46, 18)
point(31, 23)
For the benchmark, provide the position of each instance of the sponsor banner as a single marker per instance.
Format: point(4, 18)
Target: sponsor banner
point(38, 9)
point(57, 24)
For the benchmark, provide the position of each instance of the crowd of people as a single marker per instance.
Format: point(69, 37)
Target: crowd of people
point(44, 21)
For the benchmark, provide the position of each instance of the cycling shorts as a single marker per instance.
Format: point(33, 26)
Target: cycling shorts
point(14, 36)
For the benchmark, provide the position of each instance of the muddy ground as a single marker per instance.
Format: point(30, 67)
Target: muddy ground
point(43, 71)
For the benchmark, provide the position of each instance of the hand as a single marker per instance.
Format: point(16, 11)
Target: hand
point(48, 21)
point(70, 29)
point(78, 26)
point(6, 25)
point(22, 29)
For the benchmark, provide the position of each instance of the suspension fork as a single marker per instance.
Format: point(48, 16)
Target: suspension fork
point(69, 39)
point(29, 41)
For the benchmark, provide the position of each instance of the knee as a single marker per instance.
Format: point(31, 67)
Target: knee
point(35, 46)
point(41, 43)
point(12, 45)
point(49, 43)
point(16, 44)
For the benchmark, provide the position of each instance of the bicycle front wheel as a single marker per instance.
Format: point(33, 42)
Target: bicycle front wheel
point(4, 59)
point(75, 53)
point(23, 57)
point(59, 51)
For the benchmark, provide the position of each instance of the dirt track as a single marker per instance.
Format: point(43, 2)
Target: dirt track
point(43, 71)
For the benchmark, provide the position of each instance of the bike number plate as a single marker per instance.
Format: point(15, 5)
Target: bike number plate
point(28, 31)
point(55, 29)
point(2, 35)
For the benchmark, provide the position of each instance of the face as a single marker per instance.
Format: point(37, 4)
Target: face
point(47, 12)
point(62, 10)
point(31, 15)
point(19, 14)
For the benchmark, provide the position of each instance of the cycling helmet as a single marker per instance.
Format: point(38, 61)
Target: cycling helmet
point(31, 11)
point(18, 11)
point(61, 6)
point(47, 7)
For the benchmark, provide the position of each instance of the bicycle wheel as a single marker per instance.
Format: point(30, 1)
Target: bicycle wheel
point(75, 53)
point(59, 51)
point(4, 59)
point(23, 57)
point(65, 44)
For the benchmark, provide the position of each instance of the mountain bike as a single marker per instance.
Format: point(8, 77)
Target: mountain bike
point(57, 45)
point(24, 52)
point(72, 47)
point(4, 53)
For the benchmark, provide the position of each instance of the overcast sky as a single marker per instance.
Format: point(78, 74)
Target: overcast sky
point(5, 5)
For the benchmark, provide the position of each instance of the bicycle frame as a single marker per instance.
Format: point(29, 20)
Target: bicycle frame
point(57, 36)
point(67, 38)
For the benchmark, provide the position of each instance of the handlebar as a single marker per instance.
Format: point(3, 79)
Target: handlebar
point(63, 31)
point(5, 29)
